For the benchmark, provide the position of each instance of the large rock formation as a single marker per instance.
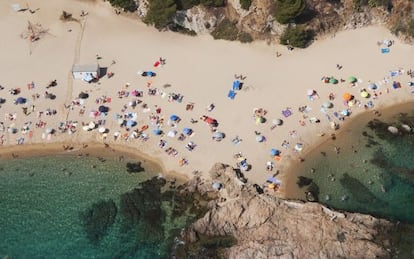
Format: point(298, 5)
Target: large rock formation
point(265, 226)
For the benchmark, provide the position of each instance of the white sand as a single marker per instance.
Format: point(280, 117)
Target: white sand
point(199, 68)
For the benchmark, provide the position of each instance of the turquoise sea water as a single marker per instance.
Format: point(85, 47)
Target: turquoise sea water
point(72, 207)
point(373, 173)
point(374, 170)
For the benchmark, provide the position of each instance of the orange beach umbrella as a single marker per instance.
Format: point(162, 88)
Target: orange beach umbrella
point(347, 96)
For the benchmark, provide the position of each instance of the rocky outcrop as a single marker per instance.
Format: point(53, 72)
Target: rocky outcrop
point(265, 226)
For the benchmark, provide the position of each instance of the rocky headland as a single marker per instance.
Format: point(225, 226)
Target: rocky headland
point(243, 222)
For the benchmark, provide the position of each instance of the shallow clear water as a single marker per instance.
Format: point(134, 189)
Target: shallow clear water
point(373, 172)
point(43, 200)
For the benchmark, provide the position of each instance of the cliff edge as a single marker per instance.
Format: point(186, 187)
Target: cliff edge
point(264, 226)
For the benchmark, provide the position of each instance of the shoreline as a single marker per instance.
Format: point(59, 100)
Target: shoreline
point(296, 192)
point(198, 69)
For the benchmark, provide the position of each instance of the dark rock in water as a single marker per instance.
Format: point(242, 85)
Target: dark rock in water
point(134, 167)
point(98, 219)
point(312, 192)
point(141, 210)
point(303, 181)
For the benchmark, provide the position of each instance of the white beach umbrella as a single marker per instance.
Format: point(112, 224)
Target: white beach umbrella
point(102, 130)
point(277, 122)
point(86, 128)
point(92, 125)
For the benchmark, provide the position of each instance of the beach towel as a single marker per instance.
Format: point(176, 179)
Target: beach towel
point(231, 94)
point(287, 113)
point(385, 50)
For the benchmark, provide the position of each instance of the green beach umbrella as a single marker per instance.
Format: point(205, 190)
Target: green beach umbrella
point(333, 80)
point(352, 79)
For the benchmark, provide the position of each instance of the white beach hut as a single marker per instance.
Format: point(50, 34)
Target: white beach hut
point(86, 72)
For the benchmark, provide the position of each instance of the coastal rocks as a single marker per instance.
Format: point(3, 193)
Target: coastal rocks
point(197, 19)
point(265, 226)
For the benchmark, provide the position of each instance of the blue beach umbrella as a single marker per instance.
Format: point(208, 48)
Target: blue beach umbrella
point(187, 131)
point(274, 152)
point(157, 131)
point(174, 117)
point(21, 100)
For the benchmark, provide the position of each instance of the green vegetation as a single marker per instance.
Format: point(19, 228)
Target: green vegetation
point(187, 4)
point(227, 30)
point(405, 27)
point(127, 5)
point(245, 4)
point(245, 37)
point(296, 36)
point(287, 11)
point(160, 13)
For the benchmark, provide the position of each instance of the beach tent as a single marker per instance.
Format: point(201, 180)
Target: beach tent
point(237, 85)
point(352, 79)
point(231, 94)
point(103, 108)
point(274, 152)
point(83, 95)
point(21, 100)
point(174, 118)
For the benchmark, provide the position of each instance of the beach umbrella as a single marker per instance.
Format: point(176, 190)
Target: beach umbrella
point(310, 92)
point(364, 94)
point(345, 112)
point(274, 152)
point(174, 118)
point(83, 95)
point(352, 79)
point(218, 135)
point(260, 138)
point(102, 130)
point(347, 96)
point(131, 123)
point(187, 131)
point(12, 130)
point(86, 128)
point(50, 130)
point(327, 105)
point(172, 133)
point(298, 146)
point(333, 80)
point(157, 131)
point(91, 125)
point(216, 186)
point(372, 86)
point(277, 122)
point(260, 119)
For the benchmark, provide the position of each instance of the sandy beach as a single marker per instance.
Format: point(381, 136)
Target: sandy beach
point(198, 72)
